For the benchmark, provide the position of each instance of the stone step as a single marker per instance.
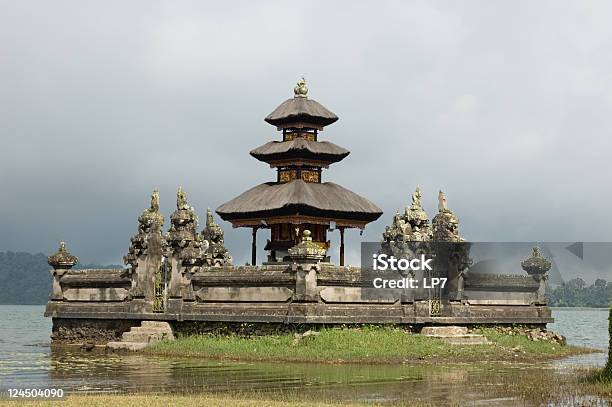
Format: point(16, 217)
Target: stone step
point(444, 330)
point(151, 330)
point(144, 336)
point(138, 337)
point(156, 324)
point(129, 346)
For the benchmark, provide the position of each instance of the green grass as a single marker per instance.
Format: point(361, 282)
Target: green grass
point(524, 345)
point(358, 345)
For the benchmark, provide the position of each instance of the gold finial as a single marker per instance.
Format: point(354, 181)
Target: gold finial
point(301, 90)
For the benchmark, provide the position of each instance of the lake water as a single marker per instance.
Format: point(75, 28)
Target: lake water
point(26, 361)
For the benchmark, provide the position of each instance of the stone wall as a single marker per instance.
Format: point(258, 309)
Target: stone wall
point(178, 286)
point(98, 331)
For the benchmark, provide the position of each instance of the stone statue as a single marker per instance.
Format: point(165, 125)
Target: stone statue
point(184, 249)
point(416, 198)
point(445, 223)
point(216, 253)
point(417, 227)
point(442, 204)
point(183, 223)
point(150, 221)
point(155, 200)
point(301, 90)
point(414, 225)
point(409, 232)
point(181, 199)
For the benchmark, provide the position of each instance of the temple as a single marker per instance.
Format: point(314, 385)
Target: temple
point(182, 276)
point(298, 200)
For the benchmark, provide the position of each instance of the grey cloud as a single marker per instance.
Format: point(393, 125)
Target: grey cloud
point(505, 106)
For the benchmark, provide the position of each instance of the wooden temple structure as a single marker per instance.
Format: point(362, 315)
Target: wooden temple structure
point(298, 200)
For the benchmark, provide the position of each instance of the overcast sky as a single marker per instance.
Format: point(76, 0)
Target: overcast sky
point(506, 106)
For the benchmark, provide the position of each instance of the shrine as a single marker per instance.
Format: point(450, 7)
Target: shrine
point(184, 276)
point(299, 200)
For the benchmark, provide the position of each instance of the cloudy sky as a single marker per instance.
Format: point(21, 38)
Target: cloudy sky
point(506, 106)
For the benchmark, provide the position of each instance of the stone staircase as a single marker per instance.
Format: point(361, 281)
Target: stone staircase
point(139, 337)
point(454, 335)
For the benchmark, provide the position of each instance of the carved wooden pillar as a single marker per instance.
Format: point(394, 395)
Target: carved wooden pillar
point(254, 247)
point(341, 229)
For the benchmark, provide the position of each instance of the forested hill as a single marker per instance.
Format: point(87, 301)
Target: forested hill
point(577, 293)
point(25, 277)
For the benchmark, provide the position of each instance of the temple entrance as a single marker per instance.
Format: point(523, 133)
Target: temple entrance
point(161, 287)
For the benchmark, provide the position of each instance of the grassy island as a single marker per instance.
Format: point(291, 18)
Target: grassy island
point(369, 344)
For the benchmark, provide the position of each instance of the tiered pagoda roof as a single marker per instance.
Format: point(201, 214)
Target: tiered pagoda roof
point(300, 110)
point(278, 152)
point(299, 193)
point(299, 202)
point(309, 201)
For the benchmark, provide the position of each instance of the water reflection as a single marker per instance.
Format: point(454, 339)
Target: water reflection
point(439, 384)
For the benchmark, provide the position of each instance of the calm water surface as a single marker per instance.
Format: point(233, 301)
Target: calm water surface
point(26, 361)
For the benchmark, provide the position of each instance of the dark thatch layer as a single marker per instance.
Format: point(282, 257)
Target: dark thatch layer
point(327, 200)
point(301, 110)
point(300, 148)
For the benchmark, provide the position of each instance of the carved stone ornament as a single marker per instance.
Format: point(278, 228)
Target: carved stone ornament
point(150, 220)
point(445, 224)
point(183, 238)
point(307, 250)
point(536, 264)
point(216, 253)
point(62, 259)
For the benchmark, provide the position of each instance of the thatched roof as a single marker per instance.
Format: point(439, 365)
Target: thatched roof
point(327, 200)
point(300, 148)
point(302, 110)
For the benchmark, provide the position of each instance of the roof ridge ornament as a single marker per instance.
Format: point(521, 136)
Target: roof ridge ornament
point(301, 90)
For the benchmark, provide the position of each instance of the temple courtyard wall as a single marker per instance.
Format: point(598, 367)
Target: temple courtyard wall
point(100, 305)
